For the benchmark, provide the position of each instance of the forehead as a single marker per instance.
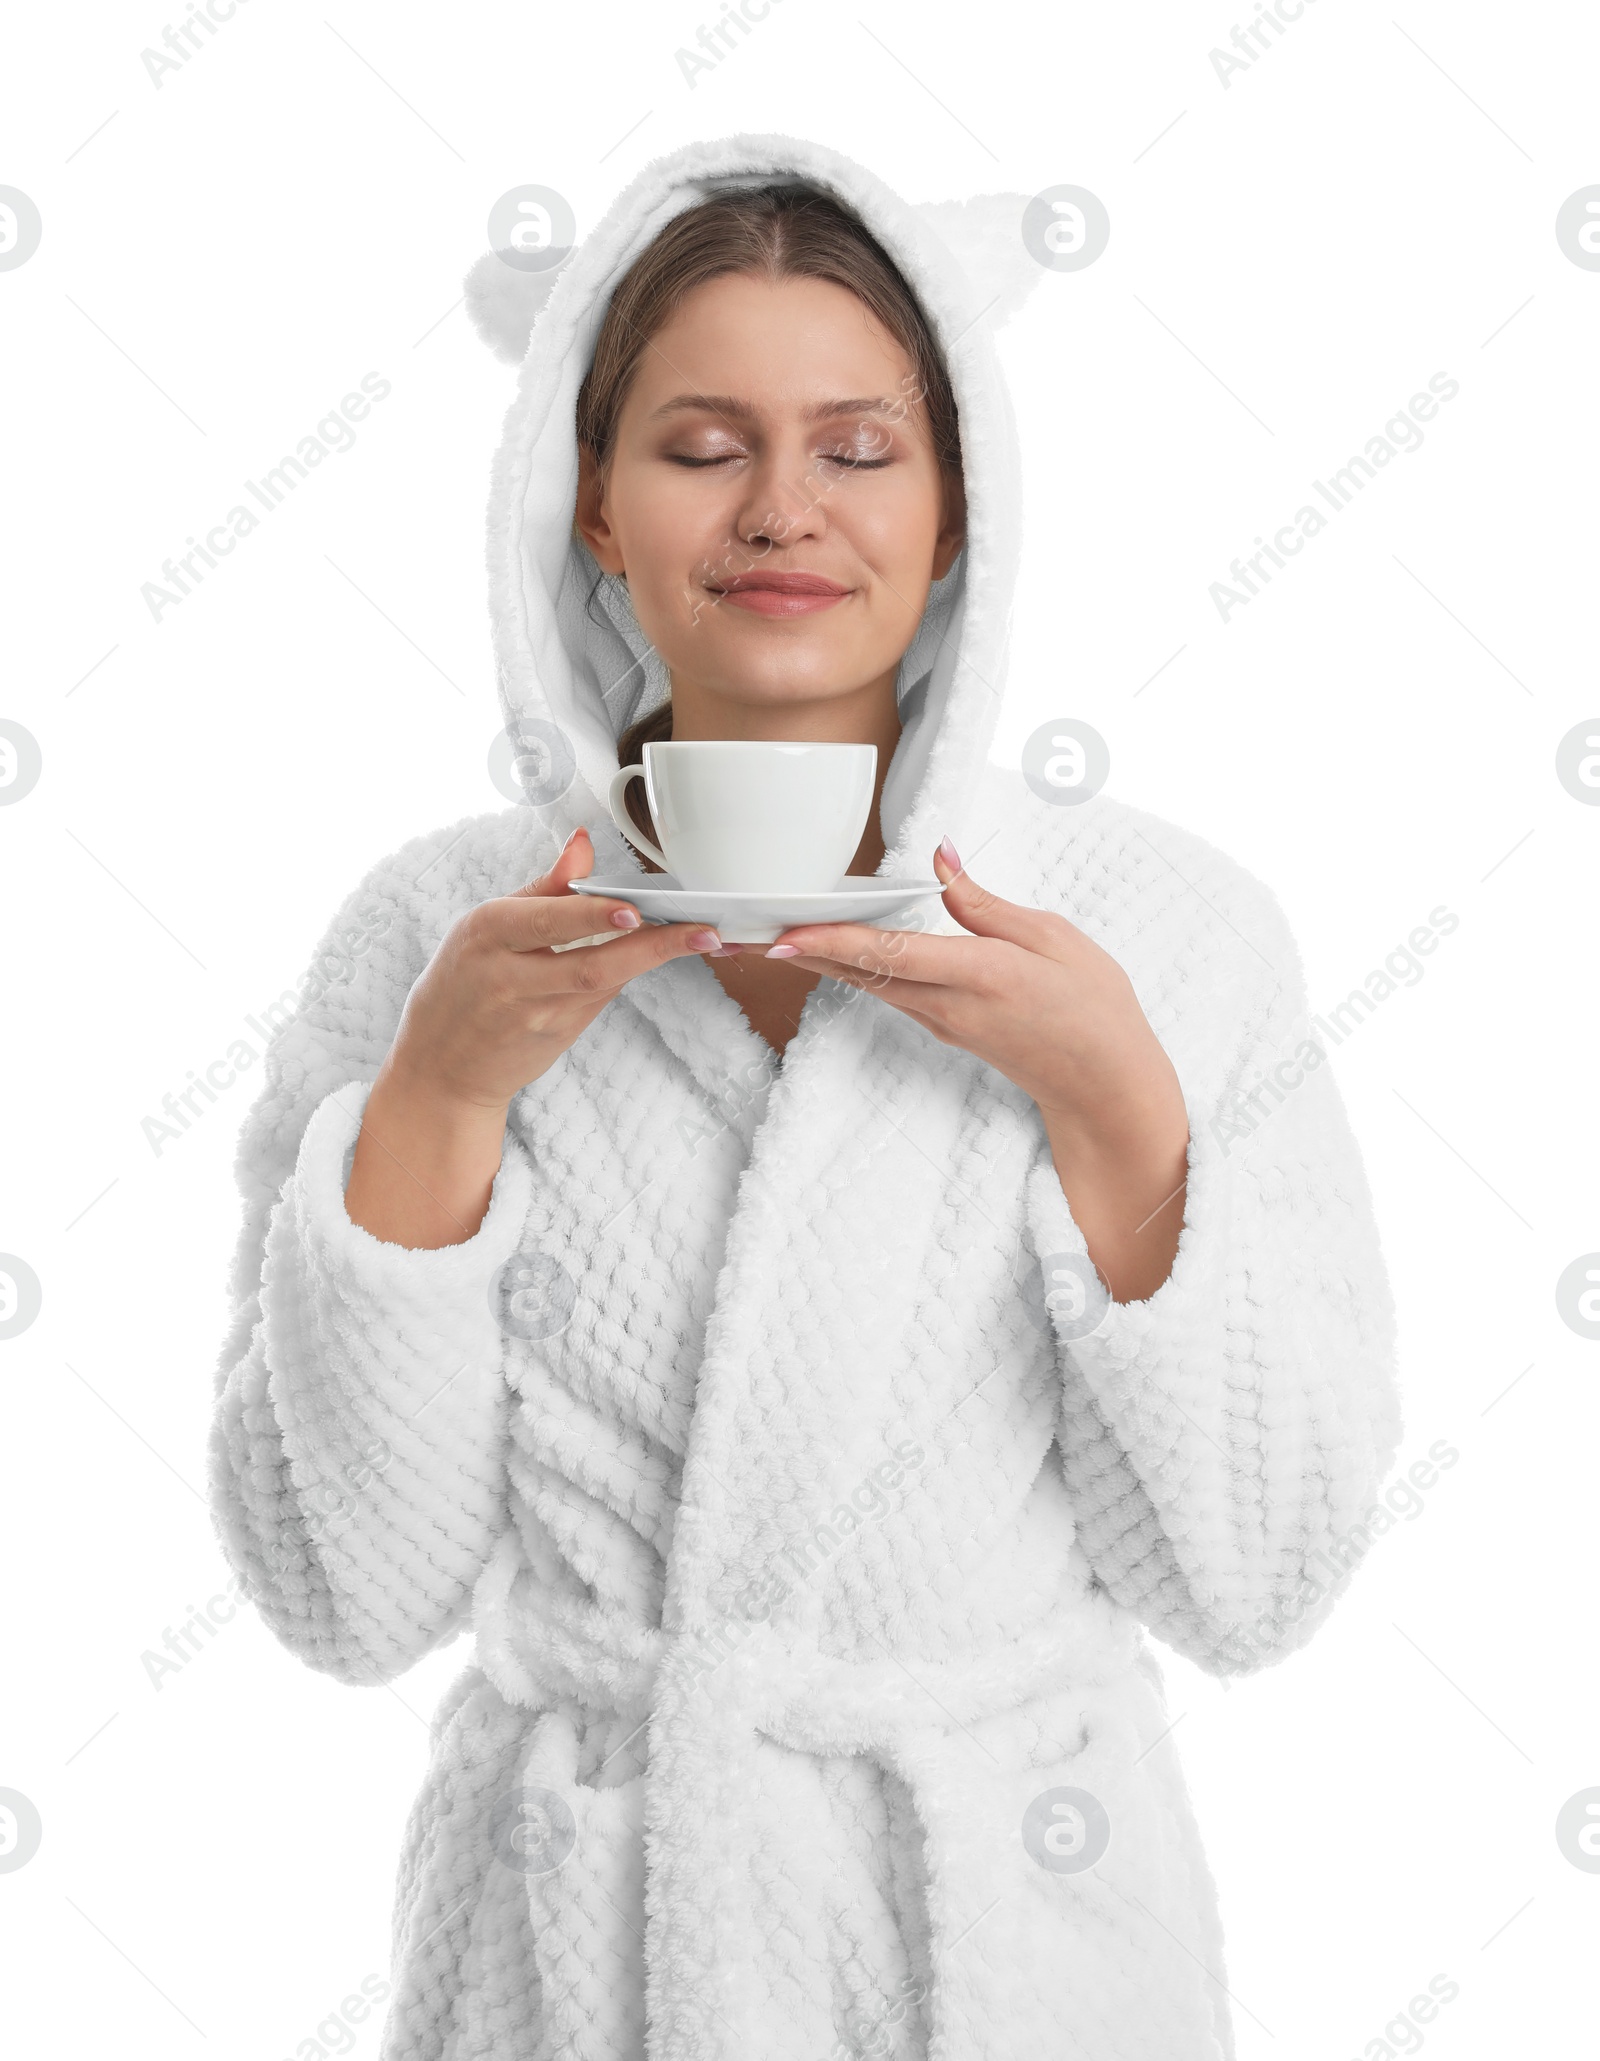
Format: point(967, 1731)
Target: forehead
point(803, 348)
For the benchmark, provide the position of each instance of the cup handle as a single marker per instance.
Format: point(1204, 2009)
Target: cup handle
point(624, 822)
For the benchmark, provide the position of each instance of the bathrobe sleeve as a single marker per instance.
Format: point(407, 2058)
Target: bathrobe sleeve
point(356, 1459)
point(1224, 1439)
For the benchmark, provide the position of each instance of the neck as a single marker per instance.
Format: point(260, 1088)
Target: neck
point(865, 715)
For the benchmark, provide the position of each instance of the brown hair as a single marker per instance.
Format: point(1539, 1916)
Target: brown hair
point(784, 230)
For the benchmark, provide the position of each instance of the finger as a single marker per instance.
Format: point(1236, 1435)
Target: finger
point(545, 913)
point(914, 997)
point(910, 954)
point(609, 965)
point(572, 862)
point(976, 909)
point(909, 998)
point(535, 923)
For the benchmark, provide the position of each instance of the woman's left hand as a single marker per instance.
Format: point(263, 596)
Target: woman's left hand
point(1044, 1005)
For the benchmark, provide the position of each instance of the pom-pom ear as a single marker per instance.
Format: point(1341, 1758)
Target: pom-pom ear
point(503, 300)
point(984, 236)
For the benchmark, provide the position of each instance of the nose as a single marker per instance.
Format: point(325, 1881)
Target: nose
point(783, 496)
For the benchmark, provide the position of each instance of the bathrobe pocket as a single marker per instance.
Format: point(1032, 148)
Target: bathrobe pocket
point(1063, 1878)
point(465, 1970)
point(577, 1832)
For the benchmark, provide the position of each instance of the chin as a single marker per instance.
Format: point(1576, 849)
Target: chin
point(786, 681)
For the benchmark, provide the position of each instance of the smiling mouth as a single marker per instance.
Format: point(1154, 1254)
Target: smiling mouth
point(781, 594)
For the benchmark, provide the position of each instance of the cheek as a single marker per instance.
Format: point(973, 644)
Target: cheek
point(668, 522)
point(893, 529)
point(672, 541)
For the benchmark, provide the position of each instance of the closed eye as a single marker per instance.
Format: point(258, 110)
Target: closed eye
point(824, 457)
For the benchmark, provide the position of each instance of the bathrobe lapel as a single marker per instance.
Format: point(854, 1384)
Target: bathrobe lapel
point(732, 1065)
point(796, 1400)
point(759, 1439)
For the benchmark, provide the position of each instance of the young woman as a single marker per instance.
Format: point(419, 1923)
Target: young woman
point(812, 1371)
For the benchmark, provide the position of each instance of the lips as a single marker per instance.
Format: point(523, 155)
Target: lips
point(781, 594)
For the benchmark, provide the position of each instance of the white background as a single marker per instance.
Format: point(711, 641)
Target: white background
point(1292, 256)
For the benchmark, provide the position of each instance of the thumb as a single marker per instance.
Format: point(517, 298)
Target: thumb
point(572, 862)
point(985, 914)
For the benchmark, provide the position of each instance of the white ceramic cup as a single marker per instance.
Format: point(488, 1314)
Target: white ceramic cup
point(737, 817)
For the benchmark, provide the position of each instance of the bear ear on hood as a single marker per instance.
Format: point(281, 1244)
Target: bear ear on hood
point(983, 234)
point(503, 298)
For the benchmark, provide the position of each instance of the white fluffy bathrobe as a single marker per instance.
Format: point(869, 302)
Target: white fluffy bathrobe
point(807, 1520)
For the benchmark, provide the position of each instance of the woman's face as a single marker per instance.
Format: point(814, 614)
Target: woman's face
point(773, 430)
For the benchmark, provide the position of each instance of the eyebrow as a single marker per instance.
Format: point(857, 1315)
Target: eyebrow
point(743, 411)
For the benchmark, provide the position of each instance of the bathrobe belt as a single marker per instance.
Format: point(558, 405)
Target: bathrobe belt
point(712, 1696)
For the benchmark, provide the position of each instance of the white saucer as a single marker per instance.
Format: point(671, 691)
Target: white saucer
point(759, 919)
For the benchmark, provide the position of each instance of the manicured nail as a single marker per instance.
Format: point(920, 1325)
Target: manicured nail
point(950, 855)
point(704, 940)
point(783, 951)
point(625, 918)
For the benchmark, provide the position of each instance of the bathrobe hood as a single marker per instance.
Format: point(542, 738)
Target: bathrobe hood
point(574, 674)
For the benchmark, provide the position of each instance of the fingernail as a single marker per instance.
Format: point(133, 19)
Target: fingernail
point(950, 855)
point(704, 940)
point(783, 951)
point(625, 919)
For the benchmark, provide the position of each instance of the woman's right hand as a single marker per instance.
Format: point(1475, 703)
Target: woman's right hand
point(493, 1010)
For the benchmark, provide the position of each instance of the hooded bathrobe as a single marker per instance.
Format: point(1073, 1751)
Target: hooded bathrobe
point(810, 1506)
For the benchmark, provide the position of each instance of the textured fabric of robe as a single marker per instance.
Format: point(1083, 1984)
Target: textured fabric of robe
point(810, 1508)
